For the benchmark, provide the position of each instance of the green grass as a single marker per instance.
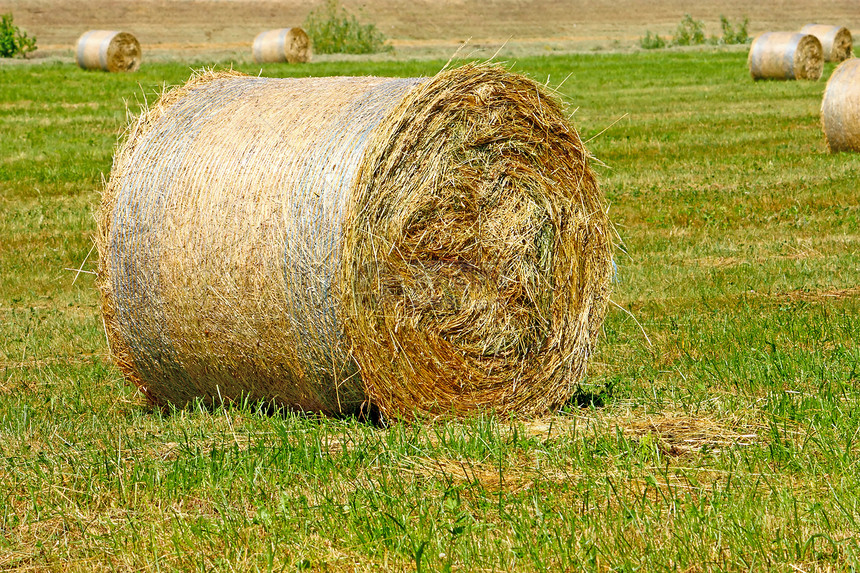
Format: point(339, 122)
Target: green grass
point(730, 441)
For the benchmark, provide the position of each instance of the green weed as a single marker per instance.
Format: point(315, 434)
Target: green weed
point(734, 34)
point(334, 30)
point(14, 41)
point(689, 32)
point(651, 42)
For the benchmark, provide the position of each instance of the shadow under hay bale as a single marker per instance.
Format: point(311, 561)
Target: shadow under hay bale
point(284, 45)
point(432, 245)
point(109, 51)
point(786, 56)
point(840, 107)
point(836, 41)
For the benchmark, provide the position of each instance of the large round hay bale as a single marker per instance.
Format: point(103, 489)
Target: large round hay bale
point(284, 45)
point(836, 41)
point(430, 245)
point(786, 56)
point(840, 107)
point(108, 50)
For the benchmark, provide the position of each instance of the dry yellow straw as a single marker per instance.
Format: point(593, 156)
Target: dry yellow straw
point(840, 108)
point(786, 56)
point(109, 51)
point(431, 245)
point(283, 45)
point(836, 41)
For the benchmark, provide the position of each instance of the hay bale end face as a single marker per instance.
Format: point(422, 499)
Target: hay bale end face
point(432, 245)
point(836, 41)
point(283, 45)
point(840, 107)
point(108, 50)
point(786, 56)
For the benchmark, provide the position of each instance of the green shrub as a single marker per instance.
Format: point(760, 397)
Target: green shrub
point(732, 35)
point(652, 41)
point(12, 40)
point(334, 30)
point(689, 32)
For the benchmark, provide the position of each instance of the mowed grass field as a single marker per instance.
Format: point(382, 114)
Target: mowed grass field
point(718, 429)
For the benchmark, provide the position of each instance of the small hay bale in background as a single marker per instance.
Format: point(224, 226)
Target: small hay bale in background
point(786, 56)
point(432, 245)
point(836, 41)
point(109, 51)
point(284, 45)
point(840, 108)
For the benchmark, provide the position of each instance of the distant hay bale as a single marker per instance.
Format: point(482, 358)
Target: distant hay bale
point(786, 56)
point(430, 245)
point(284, 45)
point(840, 107)
point(109, 51)
point(836, 41)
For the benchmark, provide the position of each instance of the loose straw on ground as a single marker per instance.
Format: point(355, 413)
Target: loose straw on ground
point(836, 41)
point(434, 246)
point(283, 45)
point(786, 56)
point(840, 107)
point(109, 51)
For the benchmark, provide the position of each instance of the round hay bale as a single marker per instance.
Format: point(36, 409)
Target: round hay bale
point(284, 45)
point(840, 107)
point(430, 245)
point(786, 56)
point(109, 51)
point(836, 41)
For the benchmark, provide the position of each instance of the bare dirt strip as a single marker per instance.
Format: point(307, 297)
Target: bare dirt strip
point(413, 26)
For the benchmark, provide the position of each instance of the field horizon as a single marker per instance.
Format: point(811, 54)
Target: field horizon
point(219, 29)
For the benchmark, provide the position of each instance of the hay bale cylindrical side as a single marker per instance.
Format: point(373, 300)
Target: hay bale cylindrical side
point(283, 45)
point(786, 56)
point(840, 107)
point(108, 50)
point(432, 246)
point(836, 41)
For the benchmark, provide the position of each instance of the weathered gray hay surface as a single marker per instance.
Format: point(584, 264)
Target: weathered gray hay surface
point(109, 51)
point(836, 41)
point(433, 246)
point(786, 56)
point(840, 108)
point(284, 45)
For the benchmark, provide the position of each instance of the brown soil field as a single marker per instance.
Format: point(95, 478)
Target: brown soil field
point(413, 26)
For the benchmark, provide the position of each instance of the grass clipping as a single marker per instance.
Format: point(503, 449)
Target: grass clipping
point(786, 56)
point(840, 107)
point(836, 41)
point(109, 51)
point(283, 45)
point(432, 246)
